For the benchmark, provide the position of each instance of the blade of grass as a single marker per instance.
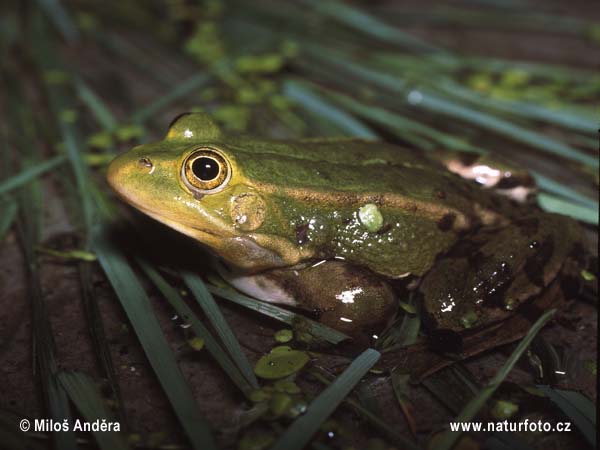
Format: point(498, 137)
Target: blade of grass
point(370, 25)
point(43, 342)
point(554, 187)
point(577, 407)
point(319, 106)
point(390, 432)
point(566, 119)
point(303, 428)
point(184, 311)
point(316, 329)
point(85, 395)
point(215, 316)
point(159, 353)
point(425, 100)
point(476, 403)
point(568, 208)
point(8, 214)
point(438, 105)
point(60, 18)
point(183, 89)
point(29, 231)
point(31, 172)
point(96, 105)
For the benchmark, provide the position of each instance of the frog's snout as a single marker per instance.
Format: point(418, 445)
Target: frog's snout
point(123, 168)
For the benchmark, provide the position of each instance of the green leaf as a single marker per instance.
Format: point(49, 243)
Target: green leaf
point(303, 428)
point(214, 314)
point(96, 105)
point(8, 213)
point(316, 329)
point(60, 18)
point(449, 438)
point(315, 103)
point(181, 90)
point(31, 172)
point(187, 315)
point(85, 395)
point(577, 407)
point(157, 349)
point(280, 362)
point(370, 25)
point(568, 208)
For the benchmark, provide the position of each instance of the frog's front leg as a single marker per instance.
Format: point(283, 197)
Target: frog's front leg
point(345, 297)
point(491, 172)
point(490, 273)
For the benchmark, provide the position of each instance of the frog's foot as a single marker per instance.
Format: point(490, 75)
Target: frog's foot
point(489, 274)
point(342, 296)
point(491, 173)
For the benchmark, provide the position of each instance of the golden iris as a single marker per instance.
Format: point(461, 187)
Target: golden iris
point(206, 170)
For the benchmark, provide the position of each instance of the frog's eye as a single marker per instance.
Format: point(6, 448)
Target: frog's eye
point(205, 171)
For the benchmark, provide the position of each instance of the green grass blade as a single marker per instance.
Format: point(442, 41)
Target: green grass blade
point(316, 329)
point(214, 314)
point(389, 430)
point(43, 341)
point(318, 105)
point(370, 25)
point(60, 18)
point(85, 395)
point(438, 105)
point(428, 101)
point(568, 208)
point(183, 89)
point(96, 105)
point(137, 307)
point(400, 124)
point(303, 428)
point(560, 189)
point(184, 311)
point(577, 407)
point(474, 405)
point(8, 214)
point(567, 119)
point(31, 172)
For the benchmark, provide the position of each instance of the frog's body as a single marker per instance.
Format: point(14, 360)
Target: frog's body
point(324, 224)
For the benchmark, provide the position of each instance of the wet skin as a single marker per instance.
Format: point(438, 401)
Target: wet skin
point(332, 225)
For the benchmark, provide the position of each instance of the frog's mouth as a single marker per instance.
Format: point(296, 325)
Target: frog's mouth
point(248, 252)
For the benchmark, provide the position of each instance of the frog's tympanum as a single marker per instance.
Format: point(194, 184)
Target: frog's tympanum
point(336, 225)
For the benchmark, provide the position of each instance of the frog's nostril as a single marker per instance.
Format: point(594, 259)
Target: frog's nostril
point(145, 162)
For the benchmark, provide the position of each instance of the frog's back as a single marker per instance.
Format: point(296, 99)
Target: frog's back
point(346, 167)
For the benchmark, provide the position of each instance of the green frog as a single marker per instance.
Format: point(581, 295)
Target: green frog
point(336, 226)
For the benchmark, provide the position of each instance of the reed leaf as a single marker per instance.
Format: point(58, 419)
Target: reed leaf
point(320, 106)
point(303, 428)
point(31, 172)
point(316, 329)
point(8, 214)
point(577, 407)
point(181, 90)
point(137, 307)
point(188, 316)
point(214, 314)
point(85, 395)
point(560, 206)
point(476, 403)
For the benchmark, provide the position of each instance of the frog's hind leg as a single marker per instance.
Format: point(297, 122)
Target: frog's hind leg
point(342, 296)
point(491, 172)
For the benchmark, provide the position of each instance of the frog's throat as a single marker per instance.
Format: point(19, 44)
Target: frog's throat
point(251, 252)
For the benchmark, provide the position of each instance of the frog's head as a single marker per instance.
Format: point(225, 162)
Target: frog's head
point(192, 182)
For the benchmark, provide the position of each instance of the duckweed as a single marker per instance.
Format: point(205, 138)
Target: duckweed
point(281, 362)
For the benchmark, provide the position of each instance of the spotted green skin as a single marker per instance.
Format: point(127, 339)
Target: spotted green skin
point(290, 203)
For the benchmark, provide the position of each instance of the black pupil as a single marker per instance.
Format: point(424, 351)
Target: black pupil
point(205, 169)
